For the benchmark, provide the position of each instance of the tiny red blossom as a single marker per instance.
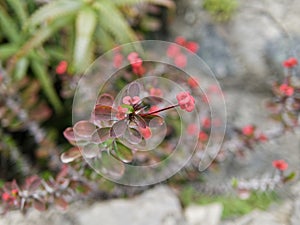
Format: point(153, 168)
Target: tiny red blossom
point(62, 67)
point(206, 122)
point(180, 40)
point(173, 50)
point(286, 90)
point(248, 130)
point(131, 101)
point(186, 101)
point(290, 62)
point(180, 60)
point(156, 92)
point(193, 82)
point(118, 59)
point(262, 138)
point(192, 129)
point(202, 136)
point(121, 114)
point(145, 132)
point(192, 46)
point(132, 56)
point(153, 108)
point(280, 165)
point(6, 197)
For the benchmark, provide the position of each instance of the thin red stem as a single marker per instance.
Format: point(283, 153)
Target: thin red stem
point(160, 110)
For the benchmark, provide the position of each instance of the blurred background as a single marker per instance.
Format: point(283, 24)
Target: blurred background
point(45, 47)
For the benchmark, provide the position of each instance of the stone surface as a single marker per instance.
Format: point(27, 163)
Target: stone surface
point(251, 46)
point(158, 206)
point(203, 215)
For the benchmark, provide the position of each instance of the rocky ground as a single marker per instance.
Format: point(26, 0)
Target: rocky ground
point(158, 206)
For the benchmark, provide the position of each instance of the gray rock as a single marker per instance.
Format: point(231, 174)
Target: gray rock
point(200, 215)
point(251, 46)
point(158, 206)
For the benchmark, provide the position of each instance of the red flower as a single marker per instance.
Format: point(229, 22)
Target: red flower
point(156, 92)
point(280, 165)
point(131, 101)
point(290, 62)
point(118, 59)
point(132, 56)
point(192, 129)
point(152, 109)
point(193, 82)
point(186, 101)
point(206, 122)
point(62, 67)
point(192, 46)
point(173, 50)
point(180, 40)
point(180, 60)
point(286, 89)
point(145, 132)
point(202, 136)
point(121, 114)
point(262, 138)
point(6, 197)
point(248, 130)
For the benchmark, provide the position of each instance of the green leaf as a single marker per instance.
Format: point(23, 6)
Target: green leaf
point(8, 26)
point(21, 68)
point(41, 36)
point(40, 72)
point(53, 11)
point(112, 20)
point(85, 26)
point(7, 50)
point(289, 177)
point(122, 152)
point(19, 8)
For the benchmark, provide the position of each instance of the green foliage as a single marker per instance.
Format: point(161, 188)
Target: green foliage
point(221, 10)
point(232, 205)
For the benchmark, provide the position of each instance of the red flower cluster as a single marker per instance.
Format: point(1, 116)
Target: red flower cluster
point(248, 130)
point(131, 101)
point(145, 132)
point(280, 165)
point(290, 62)
point(286, 89)
point(186, 101)
point(190, 45)
point(174, 52)
point(156, 92)
point(193, 82)
point(203, 137)
point(136, 63)
point(10, 197)
point(62, 67)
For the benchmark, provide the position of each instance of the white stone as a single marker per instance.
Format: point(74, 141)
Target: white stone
point(203, 215)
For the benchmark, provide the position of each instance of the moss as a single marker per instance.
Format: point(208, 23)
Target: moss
point(233, 206)
point(221, 10)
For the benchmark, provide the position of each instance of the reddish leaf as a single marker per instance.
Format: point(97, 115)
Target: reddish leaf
point(32, 183)
point(101, 135)
point(104, 113)
point(39, 205)
point(61, 202)
point(105, 99)
point(70, 155)
point(118, 129)
point(153, 120)
point(134, 89)
point(69, 134)
point(139, 121)
point(84, 129)
point(133, 136)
